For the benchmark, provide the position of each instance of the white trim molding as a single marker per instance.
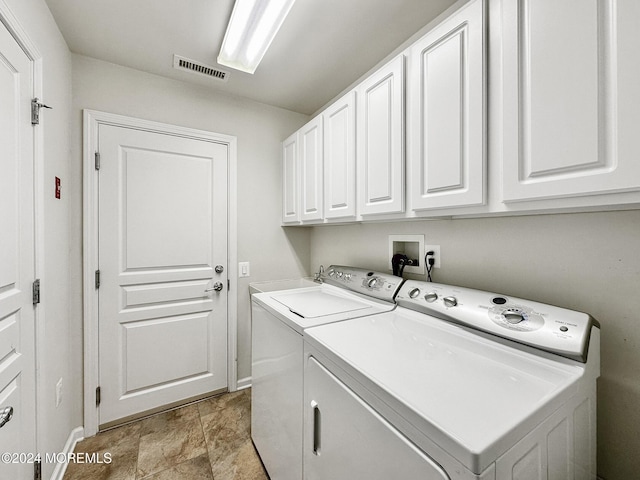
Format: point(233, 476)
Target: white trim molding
point(244, 383)
point(92, 120)
point(76, 435)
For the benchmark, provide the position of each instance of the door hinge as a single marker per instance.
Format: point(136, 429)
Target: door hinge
point(35, 111)
point(97, 279)
point(36, 291)
point(37, 470)
point(97, 158)
point(98, 396)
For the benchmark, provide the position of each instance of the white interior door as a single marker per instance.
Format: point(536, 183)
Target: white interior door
point(17, 266)
point(162, 232)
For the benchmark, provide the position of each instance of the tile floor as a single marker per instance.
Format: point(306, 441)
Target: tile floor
point(206, 440)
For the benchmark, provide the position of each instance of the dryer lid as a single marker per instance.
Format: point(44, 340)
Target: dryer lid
point(471, 395)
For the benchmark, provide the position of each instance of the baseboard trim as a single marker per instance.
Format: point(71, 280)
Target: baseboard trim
point(243, 383)
point(75, 436)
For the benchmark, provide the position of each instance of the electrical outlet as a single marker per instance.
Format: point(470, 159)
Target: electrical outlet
point(59, 392)
point(436, 254)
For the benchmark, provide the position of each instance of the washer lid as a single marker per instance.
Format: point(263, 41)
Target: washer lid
point(319, 303)
point(310, 307)
point(473, 396)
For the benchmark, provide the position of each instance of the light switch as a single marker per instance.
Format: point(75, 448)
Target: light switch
point(244, 269)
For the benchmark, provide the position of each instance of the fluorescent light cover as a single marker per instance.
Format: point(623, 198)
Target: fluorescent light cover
point(252, 28)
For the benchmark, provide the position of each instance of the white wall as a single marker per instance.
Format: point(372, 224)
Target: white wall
point(56, 357)
point(272, 251)
point(588, 262)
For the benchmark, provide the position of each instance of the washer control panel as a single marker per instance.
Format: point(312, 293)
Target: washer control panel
point(553, 329)
point(367, 282)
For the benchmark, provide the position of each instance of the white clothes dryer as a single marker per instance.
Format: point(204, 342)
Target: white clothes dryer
point(453, 384)
point(278, 321)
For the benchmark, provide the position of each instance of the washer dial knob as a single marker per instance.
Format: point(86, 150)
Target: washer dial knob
point(431, 297)
point(414, 292)
point(519, 318)
point(513, 316)
point(450, 301)
point(372, 282)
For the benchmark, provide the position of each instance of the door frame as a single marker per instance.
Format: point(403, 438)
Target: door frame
point(92, 119)
point(13, 25)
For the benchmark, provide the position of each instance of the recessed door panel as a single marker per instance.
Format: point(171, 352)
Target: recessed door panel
point(554, 89)
point(378, 142)
point(9, 335)
point(340, 158)
point(167, 195)
point(444, 126)
point(9, 213)
point(142, 294)
point(311, 160)
point(290, 180)
point(180, 351)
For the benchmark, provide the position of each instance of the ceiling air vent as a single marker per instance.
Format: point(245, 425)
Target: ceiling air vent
point(189, 65)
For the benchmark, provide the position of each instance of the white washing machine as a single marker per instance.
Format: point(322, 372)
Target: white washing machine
point(278, 321)
point(453, 384)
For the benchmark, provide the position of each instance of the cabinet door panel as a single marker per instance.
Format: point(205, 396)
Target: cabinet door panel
point(446, 131)
point(627, 85)
point(290, 202)
point(340, 158)
point(381, 140)
point(563, 65)
point(443, 84)
point(556, 81)
point(311, 174)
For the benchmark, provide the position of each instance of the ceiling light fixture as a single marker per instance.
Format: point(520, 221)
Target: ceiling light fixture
point(251, 29)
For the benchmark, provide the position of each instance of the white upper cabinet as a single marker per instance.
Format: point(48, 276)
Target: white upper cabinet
point(380, 132)
point(570, 106)
point(290, 180)
point(340, 158)
point(446, 139)
point(311, 160)
point(559, 129)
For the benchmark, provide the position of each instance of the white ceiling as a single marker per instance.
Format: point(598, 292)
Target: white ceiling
point(322, 47)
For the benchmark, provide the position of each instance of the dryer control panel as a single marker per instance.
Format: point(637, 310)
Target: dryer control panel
point(554, 329)
point(383, 286)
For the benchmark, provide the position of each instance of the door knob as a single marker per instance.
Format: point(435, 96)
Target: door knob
point(216, 286)
point(219, 269)
point(5, 416)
